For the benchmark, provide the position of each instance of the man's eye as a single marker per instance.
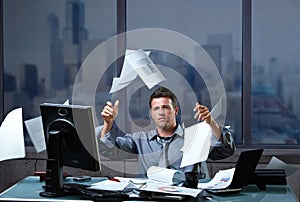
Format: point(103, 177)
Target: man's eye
point(166, 107)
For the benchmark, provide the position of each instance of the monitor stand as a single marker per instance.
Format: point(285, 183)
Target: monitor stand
point(54, 171)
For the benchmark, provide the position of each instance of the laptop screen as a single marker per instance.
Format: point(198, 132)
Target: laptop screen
point(245, 168)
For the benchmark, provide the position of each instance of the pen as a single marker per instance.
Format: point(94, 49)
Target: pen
point(113, 179)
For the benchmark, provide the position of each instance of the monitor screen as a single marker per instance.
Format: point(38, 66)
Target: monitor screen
point(70, 139)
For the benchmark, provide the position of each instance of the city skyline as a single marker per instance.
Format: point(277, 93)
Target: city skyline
point(29, 16)
point(60, 38)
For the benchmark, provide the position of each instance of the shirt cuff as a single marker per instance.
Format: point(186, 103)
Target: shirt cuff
point(108, 139)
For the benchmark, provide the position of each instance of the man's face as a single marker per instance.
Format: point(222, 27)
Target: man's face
point(163, 113)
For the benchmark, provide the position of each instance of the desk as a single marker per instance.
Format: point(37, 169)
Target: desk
point(29, 188)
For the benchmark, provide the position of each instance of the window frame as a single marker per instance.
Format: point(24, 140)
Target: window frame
point(2, 65)
point(246, 72)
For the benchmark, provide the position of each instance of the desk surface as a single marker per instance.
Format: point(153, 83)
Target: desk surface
point(29, 188)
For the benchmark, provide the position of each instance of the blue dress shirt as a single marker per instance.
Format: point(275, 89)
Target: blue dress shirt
point(146, 147)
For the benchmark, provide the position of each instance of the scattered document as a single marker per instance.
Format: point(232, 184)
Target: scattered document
point(221, 180)
point(35, 130)
point(11, 136)
point(197, 142)
point(143, 185)
point(155, 174)
point(276, 163)
point(137, 63)
point(110, 185)
point(165, 175)
point(167, 189)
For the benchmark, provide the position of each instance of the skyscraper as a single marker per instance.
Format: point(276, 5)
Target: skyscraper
point(55, 75)
point(74, 34)
point(30, 84)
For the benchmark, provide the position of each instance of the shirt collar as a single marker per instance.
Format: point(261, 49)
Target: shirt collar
point(179, 131)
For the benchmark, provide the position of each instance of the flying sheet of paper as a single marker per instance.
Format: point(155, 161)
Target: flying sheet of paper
point(137, 63)
point(35, 130)
point(197, 141)
point(11, 136)
point(276, 163)
point(67, 102)
point(127, 76)
point(145, 68)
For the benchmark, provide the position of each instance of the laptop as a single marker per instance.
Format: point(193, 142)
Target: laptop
point(244, 172)
point(245, 168)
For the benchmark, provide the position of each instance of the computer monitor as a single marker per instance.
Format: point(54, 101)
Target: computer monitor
point(70, 140)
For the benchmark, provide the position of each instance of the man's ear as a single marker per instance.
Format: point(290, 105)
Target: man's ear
point(176, 110)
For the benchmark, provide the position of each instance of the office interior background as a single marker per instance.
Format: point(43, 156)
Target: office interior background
point(254, 44)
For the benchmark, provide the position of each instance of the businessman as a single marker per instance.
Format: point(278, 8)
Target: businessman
point(160, 146)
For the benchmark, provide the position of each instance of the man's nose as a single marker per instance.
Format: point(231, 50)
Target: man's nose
point(161, 111)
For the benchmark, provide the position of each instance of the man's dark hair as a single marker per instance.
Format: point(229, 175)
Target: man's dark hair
point(163, 92)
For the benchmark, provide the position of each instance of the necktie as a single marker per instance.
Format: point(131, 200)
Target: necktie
point(163, 161)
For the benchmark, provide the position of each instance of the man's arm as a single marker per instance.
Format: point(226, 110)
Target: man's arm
point(203, 114)
point(110, 145)
point(226, 146)
point(216, 129)
point(109, 113)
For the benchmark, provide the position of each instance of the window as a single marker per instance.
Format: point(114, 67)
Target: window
point(216, 26)
point(45, 45)
point(275, 72)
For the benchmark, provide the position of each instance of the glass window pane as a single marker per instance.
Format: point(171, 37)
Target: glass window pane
point(275, 72)
point(214, 25)
point(45, 43)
